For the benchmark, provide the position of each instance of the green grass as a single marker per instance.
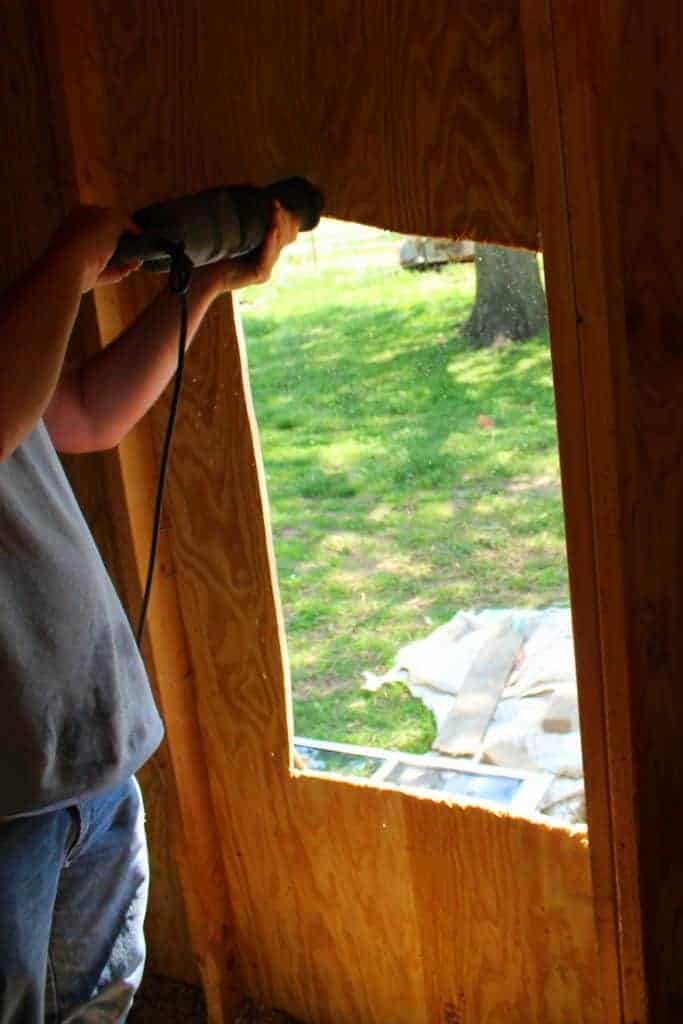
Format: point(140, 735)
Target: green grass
point(392, 507)
point(390, 717)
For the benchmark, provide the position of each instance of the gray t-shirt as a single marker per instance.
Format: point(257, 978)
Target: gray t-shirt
point(76, 712)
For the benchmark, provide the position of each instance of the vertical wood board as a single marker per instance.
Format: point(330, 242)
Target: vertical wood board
point(618, 75)
point(566, 321)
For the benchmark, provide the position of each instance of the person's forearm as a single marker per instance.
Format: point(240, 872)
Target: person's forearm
point(118, 385)
point(95, 407)
point(36, 319)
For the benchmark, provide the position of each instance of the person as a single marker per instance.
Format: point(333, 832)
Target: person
point(77, 718)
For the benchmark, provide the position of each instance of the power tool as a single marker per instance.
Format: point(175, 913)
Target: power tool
point(181, 234)
point(217, 224)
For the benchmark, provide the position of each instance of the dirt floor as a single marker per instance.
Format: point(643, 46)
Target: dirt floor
point(164, 1001)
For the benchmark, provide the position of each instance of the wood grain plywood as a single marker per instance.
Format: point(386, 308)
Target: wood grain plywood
point(350, 904)
point(409, 116)
point(506, 921)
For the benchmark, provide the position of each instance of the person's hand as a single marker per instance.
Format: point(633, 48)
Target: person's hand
point(88, 237)
point(229, 275)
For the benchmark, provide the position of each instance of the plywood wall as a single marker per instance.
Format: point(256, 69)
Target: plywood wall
point(408, 114)
point(336, 901)
point(609, 187)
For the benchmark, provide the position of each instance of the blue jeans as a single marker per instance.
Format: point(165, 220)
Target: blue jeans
point(73, 893)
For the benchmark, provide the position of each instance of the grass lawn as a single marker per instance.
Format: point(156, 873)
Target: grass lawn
point(392, 505)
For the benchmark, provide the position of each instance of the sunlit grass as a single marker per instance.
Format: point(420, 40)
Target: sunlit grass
point(392, 505)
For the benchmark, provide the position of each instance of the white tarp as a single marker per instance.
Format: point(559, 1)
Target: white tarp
point(535, 724)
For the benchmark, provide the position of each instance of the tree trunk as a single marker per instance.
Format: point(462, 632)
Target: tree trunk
point(509, 302)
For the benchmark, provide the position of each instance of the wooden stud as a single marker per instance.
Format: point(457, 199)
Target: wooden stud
point(566, 341)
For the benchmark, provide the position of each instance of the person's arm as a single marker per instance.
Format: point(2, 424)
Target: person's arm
point(94, 407)
point(37, 316)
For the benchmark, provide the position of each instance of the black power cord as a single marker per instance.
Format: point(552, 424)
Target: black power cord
point(179, 278)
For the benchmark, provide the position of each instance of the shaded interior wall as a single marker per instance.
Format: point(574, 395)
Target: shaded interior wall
point(347, 903)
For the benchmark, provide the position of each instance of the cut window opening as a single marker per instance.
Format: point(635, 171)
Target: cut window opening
point(404, 397)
